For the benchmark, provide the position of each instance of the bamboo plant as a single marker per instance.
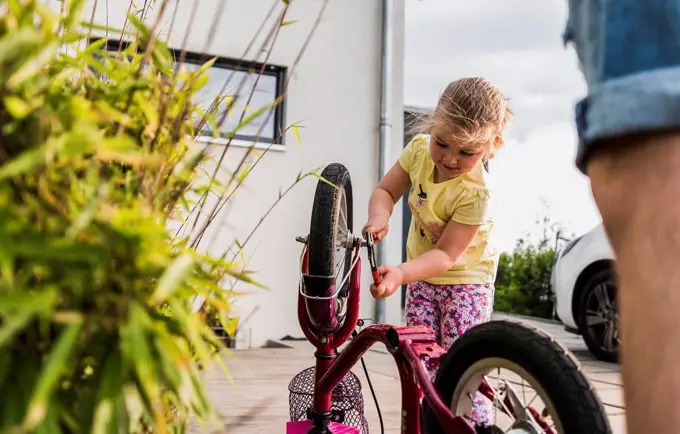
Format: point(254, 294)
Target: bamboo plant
point(97, 158)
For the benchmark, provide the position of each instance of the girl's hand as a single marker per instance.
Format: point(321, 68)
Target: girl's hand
point(378, 226)
point(392, 279)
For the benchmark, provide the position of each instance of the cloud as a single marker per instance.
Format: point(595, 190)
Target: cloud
point(489, 25)
point(542, 85)
point(515, 44)
point(537, 169)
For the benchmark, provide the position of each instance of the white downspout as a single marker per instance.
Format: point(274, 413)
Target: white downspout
point(385, 162)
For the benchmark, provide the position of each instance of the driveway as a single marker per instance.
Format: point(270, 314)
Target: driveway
point(257, 399)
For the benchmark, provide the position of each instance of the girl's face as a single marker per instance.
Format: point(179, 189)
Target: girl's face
point(449, 158)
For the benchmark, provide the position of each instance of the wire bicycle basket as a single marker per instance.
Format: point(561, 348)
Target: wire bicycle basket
point(347, 400)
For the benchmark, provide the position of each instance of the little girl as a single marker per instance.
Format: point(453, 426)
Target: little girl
point(451, 267)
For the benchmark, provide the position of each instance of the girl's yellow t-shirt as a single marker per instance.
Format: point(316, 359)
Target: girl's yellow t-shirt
point(464, 199)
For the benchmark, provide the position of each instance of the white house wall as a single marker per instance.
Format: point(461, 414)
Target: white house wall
point(334, 94)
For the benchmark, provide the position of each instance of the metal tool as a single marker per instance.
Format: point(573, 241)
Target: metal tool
point(371, 258)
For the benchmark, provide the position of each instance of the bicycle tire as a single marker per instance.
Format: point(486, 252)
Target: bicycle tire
point(578, 407)
point(324, 223)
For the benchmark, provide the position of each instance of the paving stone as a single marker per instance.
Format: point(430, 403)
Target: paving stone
point(257, 399)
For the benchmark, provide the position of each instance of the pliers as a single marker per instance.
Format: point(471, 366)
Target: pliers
point(371, 258)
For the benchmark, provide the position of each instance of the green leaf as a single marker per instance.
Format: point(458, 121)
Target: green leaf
point(60, 79)
point(88, 25)
point(42, 247)
point(202, 71)
point(11, 326)
point(159, 51)
point(322, 179)
point(85, 217)
point(229, 102)
point(190, 161)
point(54, 367)
point(73, 12)
point(197, 333)
point(16, 8)
point(32, 158)
point(243, 277)
point(21, 307)
point(95, 47)
point(146, 106)
point(110, 393)
point(173, 278)
point(19, 43)
point(31, 68)
point(17, 107)
point(143, 362)
point(296, 131)
point(40, 300)
point(288, 23)
point(256, 113)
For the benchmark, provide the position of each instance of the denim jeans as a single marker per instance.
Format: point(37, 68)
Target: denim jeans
point(629, 53)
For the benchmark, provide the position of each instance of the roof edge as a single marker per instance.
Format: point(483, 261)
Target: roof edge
point(418, 110)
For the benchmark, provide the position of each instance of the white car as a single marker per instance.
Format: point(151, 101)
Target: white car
point(585, 292)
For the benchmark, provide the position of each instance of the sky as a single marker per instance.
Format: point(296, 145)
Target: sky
point(518, 46)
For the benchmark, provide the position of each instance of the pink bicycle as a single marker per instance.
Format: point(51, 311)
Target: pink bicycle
point(327, 397)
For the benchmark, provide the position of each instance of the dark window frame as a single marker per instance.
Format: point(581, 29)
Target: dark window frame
point(231, 64)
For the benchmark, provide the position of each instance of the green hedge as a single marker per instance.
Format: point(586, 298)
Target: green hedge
point(523, 278)
point(523, 282)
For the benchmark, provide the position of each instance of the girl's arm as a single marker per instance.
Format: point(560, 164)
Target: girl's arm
point(454, 241)
point(385, 195)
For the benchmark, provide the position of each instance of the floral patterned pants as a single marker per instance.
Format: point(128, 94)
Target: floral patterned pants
point(450, 310)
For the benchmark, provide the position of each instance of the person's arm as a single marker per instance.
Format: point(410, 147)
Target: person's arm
point(385, 195)
point(469, 214)
point(454, 241)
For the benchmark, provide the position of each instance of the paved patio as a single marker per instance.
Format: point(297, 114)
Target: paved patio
point(257, 400)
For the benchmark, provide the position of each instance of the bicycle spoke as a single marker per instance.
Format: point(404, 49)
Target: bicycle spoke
point(532, 400)
point(339, 267)
point(496, 401)
point(343, 217)
point(508, 417)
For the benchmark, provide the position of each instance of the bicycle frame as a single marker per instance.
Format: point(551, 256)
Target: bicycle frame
point(409, 346)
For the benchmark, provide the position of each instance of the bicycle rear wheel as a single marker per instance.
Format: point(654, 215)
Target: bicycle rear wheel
point(329, 252)
point(537, 367)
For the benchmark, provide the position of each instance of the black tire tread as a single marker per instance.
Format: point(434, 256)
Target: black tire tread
point(324, 220)
point(550, 363)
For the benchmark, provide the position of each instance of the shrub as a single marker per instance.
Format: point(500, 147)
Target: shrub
point(523, 278)
point(97, 330)
point(523, 282)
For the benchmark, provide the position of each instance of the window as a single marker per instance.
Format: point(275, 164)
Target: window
point(269, 87)
point(266, 90)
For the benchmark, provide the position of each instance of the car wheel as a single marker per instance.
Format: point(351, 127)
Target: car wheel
point(598, 317)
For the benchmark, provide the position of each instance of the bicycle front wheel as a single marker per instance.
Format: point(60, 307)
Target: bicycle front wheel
point(329, 249)
point(534, 384)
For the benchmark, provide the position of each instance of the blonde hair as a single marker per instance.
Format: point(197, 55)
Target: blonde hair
point(475, 111)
